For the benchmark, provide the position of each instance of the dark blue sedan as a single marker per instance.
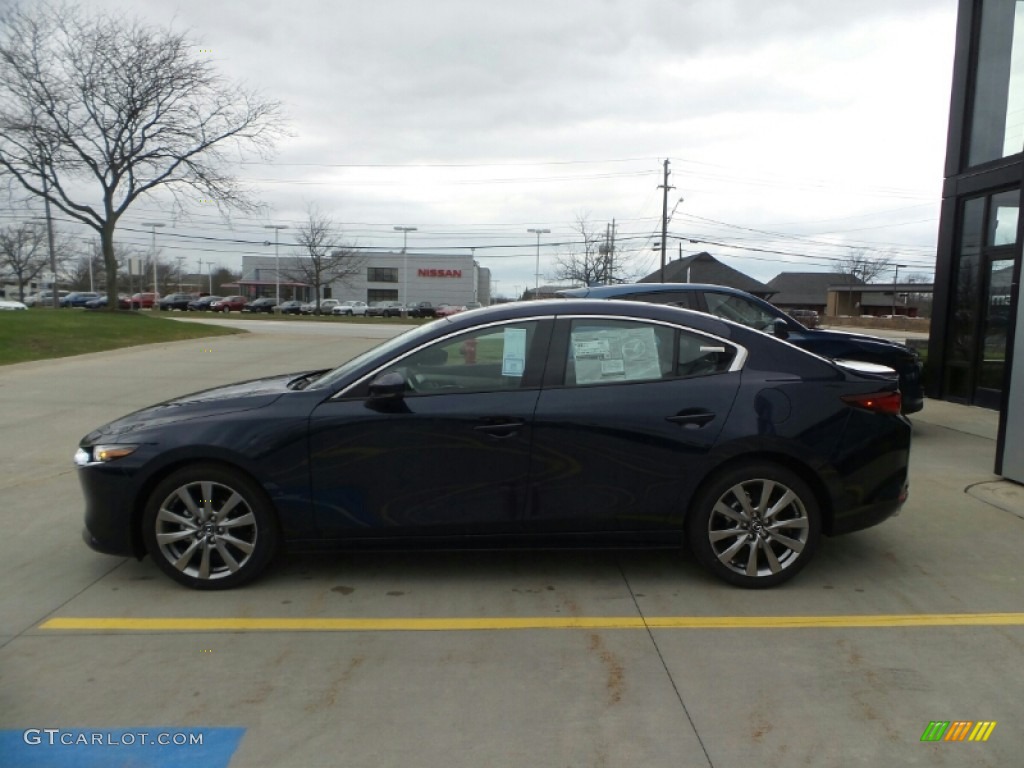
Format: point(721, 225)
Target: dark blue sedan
point(566, 423)
point(741, 307)
point(78, 298)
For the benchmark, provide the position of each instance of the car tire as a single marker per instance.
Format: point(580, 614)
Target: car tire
point(181, 532)
point(755, 525)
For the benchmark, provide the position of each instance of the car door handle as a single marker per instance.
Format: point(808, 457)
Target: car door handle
point(500, 430)
point(692, 419)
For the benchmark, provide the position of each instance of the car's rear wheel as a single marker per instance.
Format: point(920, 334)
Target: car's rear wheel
point(755, 525)
point(209, 527)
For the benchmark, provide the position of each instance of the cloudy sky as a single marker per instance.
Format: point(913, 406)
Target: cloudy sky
point(797, 131)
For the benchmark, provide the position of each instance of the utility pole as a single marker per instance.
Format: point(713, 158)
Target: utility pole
point(536, 274)
point(405, 266)
point(277, 264)
point(664, 218)
point(895, 279)
point(152, 249)
point(611, 255)
point(49, 242)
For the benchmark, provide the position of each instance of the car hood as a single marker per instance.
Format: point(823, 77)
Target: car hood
point(855, 338)
point(232, 398)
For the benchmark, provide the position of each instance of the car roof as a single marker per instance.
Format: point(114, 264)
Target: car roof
point(626, 309)
point(632, 289)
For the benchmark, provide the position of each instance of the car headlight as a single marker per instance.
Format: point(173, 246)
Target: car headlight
point(102, 454)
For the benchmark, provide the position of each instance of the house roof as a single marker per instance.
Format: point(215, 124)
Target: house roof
point(801, 288)
point(705, 268)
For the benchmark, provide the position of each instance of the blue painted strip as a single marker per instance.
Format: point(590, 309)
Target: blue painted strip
point(165, 747)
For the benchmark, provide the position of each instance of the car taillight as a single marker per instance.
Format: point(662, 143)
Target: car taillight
point(876, 402)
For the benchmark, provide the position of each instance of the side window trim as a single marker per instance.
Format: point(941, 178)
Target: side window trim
point(554, 375)
point(532, 376)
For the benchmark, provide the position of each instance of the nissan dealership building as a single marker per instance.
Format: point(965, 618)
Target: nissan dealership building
point(407, 277)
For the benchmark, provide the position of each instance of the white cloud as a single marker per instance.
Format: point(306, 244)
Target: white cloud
point(781, 113)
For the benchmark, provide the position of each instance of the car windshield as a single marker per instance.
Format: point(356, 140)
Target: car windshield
point(382, 350)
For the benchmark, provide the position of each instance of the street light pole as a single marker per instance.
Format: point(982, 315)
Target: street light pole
point(895, 279)
point(152, 248)
point(277, 258)
point(536, 274)
point(49, 241)
point(405, 265)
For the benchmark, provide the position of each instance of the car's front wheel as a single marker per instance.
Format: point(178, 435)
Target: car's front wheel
point(755, 525)
point(209, 527)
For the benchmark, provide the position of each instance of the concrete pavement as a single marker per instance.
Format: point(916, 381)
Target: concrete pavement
point(774, 694)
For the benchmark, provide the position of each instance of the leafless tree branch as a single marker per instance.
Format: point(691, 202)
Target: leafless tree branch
point(97, 111)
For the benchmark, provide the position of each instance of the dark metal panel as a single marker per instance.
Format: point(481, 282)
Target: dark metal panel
point(963, 75)
point(941, 298)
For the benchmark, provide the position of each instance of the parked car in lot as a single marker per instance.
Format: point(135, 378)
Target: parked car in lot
point(447, 310)
point(751, 311)
point(229, 304)
point(203, 303)
point(11, 305)
point(177, 301)
point(326, 305)
point(123, 302)
point(350, 309)
point(806, 317)
point(384, 309)
point(575, 423)
point(265, 304)
point(422, 309)
point(291, 307)
point(43, 298)
point(78, 298)
point(144, 300)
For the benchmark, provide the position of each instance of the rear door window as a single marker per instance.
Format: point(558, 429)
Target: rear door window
point(739, 310)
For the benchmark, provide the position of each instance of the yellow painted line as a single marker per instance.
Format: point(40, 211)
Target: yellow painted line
point(229, 624)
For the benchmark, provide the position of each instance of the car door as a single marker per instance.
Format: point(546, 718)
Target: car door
point(449, 456)
point(623, 427)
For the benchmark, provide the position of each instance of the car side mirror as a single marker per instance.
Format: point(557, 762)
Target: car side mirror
point(391, 385)
point(780, 328)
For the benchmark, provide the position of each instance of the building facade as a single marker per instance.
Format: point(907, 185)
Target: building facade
point(403, 277)
point(975, 325)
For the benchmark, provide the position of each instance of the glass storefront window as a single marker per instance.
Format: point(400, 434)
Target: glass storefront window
point(1002, 218)
point(960, 339)
point(997, 316)
point(981, 298)
point(997, 119)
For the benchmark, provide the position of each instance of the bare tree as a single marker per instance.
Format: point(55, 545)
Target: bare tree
point(223, 275)
point(583, 262)
point(96, 112)
point(326, 258)
point(594, 259)
point(24, 253)
point(864, 264)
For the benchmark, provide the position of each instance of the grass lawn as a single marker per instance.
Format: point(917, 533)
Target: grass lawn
point(39, 334)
